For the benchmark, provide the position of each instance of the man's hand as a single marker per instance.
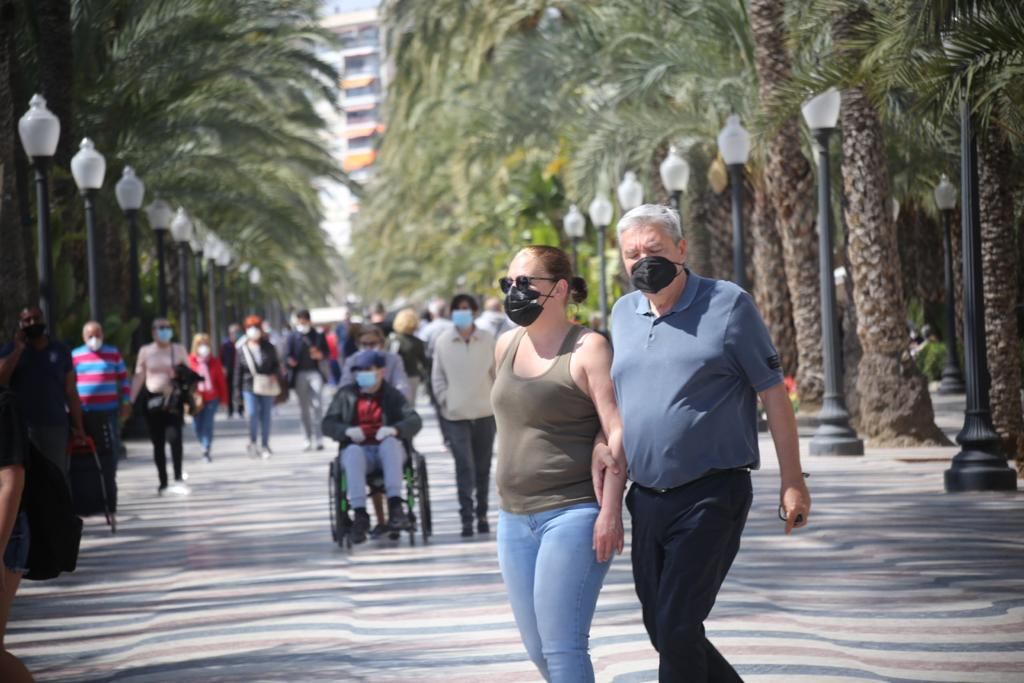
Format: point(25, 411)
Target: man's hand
point(602, 460)
point(795, 500)
point(77, 432)
point(385, 432)
point(315, 353)
point(608, 534)
point(126, 411)
point(356, 434)
point(20, 339)
point(292, 363)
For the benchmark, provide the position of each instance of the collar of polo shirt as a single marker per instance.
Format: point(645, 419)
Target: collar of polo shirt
point(643, 306)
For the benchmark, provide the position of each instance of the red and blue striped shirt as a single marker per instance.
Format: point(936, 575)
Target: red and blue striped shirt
point(102, 378)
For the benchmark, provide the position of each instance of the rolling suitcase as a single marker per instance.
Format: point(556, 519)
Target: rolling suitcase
point(93, 473)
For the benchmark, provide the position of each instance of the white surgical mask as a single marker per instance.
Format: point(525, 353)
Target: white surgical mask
point(203, 350)
point(94, 343)
point(302, 329)
point(253, 333)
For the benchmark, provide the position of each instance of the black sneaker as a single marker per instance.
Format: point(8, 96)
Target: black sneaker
point(482, 527)
point(207, 457)
point(398, 520)
point(378, 530)
point(467, 529)
point(360, 525)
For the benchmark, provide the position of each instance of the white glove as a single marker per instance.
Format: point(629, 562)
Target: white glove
point(356, 434)
point(386, 431)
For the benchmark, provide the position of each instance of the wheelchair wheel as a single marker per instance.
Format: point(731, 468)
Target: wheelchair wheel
point(338, 506)
point(423, 493)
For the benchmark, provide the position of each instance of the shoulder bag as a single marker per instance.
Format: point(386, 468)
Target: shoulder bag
point(262, 384)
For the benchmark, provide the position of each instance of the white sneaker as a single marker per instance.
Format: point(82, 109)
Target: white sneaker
point(265, 453)
point(179, 488)
point(184, 475)
point(307, 445)
point(252, 451)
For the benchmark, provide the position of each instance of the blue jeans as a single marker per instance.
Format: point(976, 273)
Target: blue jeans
point(202, 424)
point(16, 552)
point(553, 577)
point(388, 456)
point(258, 408)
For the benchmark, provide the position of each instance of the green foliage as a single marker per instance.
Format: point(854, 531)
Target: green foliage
point(930, 359)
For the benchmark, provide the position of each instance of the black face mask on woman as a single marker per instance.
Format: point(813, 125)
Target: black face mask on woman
point(523, 308)
point(654, 273)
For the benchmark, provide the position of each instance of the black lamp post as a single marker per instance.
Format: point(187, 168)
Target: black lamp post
point(160, 214)
point(980, 465)
point(255, 277)
point(88, 168)
point(734, 144)
point(952, 379)
point(575, 226)
point(196, 244)
point(39, 131)
point(181, 232)
point(130, 191)
point(834, 435)
point(600, 211)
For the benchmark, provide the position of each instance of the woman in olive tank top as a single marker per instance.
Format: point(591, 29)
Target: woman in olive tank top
point(554, 406)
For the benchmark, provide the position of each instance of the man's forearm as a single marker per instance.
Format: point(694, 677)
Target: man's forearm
point(782, 424)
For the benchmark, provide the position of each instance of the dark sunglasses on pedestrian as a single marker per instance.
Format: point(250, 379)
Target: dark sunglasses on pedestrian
point(521, 282)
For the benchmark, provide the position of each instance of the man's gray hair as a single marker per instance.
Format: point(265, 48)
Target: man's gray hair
point(655, 215)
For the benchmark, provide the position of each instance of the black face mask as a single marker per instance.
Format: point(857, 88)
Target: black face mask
point(654, 273)
point(34, 331)
point(523, 308)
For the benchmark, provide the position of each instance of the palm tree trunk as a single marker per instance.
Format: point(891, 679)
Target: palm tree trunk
point(770, 290)
point(790, 186)
point(895, 407)
point(719, 227)
point(17, 276)
point(999, 269)
point(699, 236)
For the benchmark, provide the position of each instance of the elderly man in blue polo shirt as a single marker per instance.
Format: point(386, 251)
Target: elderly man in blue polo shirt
point(692, 355)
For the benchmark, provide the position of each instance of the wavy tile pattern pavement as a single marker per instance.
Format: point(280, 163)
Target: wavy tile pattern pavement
point(895, 581)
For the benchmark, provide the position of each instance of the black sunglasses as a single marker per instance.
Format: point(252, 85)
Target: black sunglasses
point(522, 282)
point(163, 327)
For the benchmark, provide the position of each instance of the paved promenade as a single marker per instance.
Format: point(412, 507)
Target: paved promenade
point(893, 581)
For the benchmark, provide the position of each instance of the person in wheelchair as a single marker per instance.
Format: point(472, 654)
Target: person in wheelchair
point(370, 419)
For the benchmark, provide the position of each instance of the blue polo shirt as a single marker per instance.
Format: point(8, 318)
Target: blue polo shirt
point(38, 380)
point(687, 382)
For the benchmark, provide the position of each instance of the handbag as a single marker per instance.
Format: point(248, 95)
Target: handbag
point(262, 384)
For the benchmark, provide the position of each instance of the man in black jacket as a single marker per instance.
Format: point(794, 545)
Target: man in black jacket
point(370, 418)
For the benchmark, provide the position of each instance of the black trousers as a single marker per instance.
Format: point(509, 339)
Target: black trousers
point(164, 430)
point(472, 445)
point(684, 542)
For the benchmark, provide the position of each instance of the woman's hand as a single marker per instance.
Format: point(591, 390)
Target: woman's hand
point(609, 536)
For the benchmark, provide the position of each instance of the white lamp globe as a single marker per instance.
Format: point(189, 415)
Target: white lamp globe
point(675, 173)
point(181, 226)
point(945, 194)
point(39, 129)
point(254, 275)
point(734, 141)
point(822, 111)
point(129, 190)
point(630, 192)
point(88, 167)
point(160, 214)
point(600, 211)
point(574, 223)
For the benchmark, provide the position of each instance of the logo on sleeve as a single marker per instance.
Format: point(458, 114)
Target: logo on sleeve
point(773, 362)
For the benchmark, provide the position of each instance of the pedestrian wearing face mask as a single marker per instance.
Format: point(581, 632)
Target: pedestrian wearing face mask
point(371, 338)
point(462, 375)
point(554, 404)
point(102, 381)
point(212, 390)
point(154, 374)
point(307, 352)
point(40, 372)
point(257, 372)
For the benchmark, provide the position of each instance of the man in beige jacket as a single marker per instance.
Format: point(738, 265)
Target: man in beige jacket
point(462, 375)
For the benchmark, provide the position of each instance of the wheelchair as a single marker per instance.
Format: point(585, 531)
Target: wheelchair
point(417, 497)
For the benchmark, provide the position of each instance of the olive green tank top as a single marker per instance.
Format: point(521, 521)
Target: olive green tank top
point(546, 429)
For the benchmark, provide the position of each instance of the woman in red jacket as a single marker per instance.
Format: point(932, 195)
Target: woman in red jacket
point(212, 389)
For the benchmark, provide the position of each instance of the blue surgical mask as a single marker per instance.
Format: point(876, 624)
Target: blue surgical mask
point(462, 318)
point(165, 334)
point(366, 379)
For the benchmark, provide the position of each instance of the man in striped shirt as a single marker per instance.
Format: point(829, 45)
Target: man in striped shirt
point(102, 380)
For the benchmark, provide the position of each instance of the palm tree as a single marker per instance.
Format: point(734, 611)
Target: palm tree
point(789, 185)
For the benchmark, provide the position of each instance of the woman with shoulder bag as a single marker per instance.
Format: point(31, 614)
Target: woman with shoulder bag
point(154, 374)
point(211, 392)
point(257, 381)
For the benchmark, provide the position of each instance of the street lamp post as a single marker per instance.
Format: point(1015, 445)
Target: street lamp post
point(243, 270)
point(254, 280)
point(130, 192)
point(600, 211)
point(675, 176)
point(211, 249)
point(39, 131)
point(952, 378)
point(223, 260)
point(734, 144)
point(160, 215)
point(980, 465)
point(834, 435)
point(575, 227)
point(196, 244)
point(88, 168)
point(181, 232)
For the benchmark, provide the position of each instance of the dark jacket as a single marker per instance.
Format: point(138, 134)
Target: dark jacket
point(268, 365)
point(413, 353)
point(396, 412)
